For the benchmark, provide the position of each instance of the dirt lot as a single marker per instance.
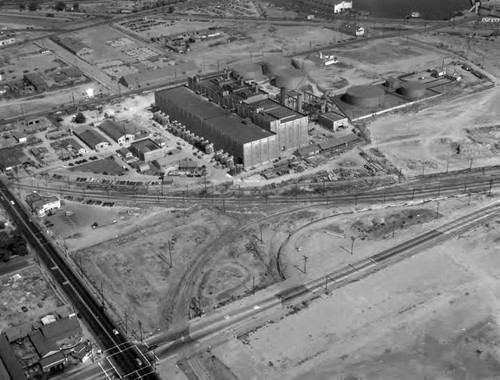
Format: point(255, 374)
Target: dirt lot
point(431, 137)
point(431, 316)
point(132, 257)
point(30, 291)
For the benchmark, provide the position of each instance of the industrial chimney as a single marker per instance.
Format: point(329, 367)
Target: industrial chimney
point(283, 95)
point(299, 103)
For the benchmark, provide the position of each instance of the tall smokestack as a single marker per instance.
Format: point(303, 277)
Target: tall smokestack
point(299, 103)
point(283, 95)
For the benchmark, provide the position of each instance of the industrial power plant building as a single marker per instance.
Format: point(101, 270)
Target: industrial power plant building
point(249, 144)
point(236, 117)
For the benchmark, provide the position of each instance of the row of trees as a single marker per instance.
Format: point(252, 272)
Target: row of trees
point(12, 244)
point(60, 6)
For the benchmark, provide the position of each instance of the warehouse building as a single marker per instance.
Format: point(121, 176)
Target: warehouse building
point(93, 139)
point(249, 144)
point(76, 47)
point(146, 150)
point(332, 120)
point(37, 81)
point(118, 132)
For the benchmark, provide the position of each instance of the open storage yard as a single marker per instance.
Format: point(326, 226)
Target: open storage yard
point(26, 297)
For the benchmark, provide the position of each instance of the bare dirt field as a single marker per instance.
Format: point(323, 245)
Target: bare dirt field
point(133, 263)
point(30, 291)
point(430, 316)
point(449, 134)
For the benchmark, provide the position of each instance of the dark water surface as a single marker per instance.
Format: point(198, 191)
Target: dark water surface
point(430, 9)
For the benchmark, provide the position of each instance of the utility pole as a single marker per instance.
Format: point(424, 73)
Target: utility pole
point(140, 330)
point(352, 244)
point(470, 167)
point(305, 258)
point(470, 195)
point(126, 323)
point(261, 240)
point(170, 253)
point(253, 284)
point(491, 185)
point(437, 210)
point(102, 295)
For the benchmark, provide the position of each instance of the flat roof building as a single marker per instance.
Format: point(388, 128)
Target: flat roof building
point(10, 364)
point(37, 81)
point(93, 139)
point(248, 143)
point(332, 120)
point(146, 150)
point(246, 100)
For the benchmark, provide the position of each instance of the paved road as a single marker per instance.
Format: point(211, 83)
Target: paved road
point(258, 306)
point(123, 356)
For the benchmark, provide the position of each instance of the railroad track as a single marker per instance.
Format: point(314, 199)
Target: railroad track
point(385, 195)
point(125, 356)
point(230, 318)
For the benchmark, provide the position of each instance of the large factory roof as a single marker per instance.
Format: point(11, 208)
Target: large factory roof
point(240, 129)
point(277, 110)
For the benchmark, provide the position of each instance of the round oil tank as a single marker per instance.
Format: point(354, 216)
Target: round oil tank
point(275, 64)
point(291, 79)
point(412, 90)
point(248, 71)
point(364, 96)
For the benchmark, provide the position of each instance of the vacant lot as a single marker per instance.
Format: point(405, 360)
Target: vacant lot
point(448, 134)
point(26, 297)
point(134, 263)
point(431, 316)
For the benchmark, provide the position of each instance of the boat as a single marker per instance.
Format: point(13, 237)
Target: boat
point(415, 14)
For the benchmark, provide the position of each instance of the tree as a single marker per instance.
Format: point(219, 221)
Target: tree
point(171, 9)
point(18, 245)
point(5, 255)
point(22, 7)
point(33, 6)
point(60, 6)
point(76, 7)
point(80, 118)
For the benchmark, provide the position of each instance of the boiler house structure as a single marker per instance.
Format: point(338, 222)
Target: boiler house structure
point(236, 117)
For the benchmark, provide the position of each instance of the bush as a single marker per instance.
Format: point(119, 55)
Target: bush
point(80, 118)
point(60, 6)
point(33, 6)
